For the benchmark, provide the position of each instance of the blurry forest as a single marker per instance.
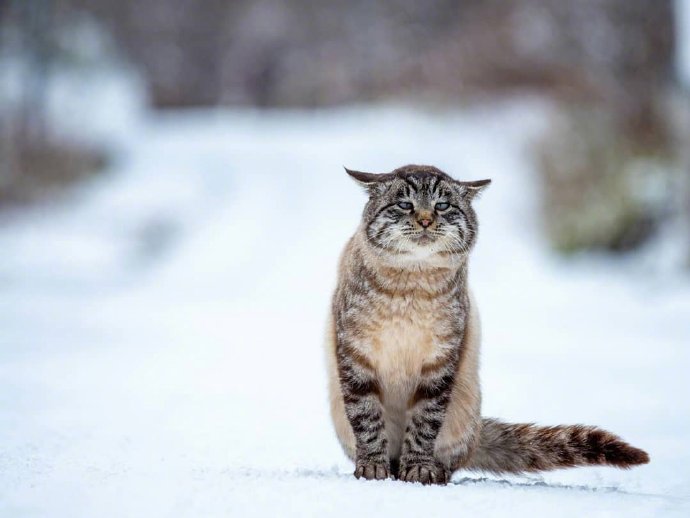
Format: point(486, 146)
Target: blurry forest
point(611, 164)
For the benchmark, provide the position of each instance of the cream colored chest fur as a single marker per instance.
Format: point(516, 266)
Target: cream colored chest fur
point(401, 338)
point(398, 344)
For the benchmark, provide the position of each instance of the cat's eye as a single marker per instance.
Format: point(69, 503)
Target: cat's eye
point(406, 205)
point(442, 205)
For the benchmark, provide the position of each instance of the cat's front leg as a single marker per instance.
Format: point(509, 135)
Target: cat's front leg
point(362, 396)
point(427, 409)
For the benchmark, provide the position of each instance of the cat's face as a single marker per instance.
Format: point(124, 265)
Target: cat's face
point(419, 212)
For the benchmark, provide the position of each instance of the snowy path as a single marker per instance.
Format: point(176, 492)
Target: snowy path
point(160, 331)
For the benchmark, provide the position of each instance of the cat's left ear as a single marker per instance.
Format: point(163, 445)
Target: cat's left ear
point(475, 188)
point(370, 181)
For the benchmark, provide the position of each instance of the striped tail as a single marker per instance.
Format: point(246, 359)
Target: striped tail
point(518, 448)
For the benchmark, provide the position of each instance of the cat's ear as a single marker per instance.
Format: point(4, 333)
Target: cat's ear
point(370, 181)
point(474, 188)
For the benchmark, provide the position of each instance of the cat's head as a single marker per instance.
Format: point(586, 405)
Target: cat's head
point(419, 212)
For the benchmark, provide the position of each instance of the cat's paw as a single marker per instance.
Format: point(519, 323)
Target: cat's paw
point(372, 470)
point(426, 472)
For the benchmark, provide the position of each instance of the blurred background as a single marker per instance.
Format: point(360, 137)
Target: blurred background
point(612, 162)
point(172, 206)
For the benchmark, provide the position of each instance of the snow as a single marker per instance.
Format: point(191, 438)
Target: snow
point(160, 352)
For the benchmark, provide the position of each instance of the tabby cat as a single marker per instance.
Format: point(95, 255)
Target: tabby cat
point(403, 346)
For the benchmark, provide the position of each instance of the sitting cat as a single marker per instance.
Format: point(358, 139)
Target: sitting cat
point(403, 346)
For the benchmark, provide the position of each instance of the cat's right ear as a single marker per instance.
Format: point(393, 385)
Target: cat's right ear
point(364, 179)
point(370, 181)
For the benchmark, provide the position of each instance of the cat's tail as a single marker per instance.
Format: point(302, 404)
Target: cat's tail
point(518, 448)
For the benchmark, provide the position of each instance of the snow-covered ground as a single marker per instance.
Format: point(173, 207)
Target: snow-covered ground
point(160, 328)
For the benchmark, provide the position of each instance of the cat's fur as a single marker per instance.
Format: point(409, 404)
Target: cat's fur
point(403, 346)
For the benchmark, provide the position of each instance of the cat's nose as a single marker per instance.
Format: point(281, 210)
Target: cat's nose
point(425, 219)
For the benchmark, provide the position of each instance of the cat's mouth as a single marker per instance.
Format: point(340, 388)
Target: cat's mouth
point(424, 238)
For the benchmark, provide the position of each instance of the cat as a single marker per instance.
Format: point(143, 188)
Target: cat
point(403, 346)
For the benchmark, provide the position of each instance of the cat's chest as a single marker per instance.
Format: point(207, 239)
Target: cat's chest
point(403, 339)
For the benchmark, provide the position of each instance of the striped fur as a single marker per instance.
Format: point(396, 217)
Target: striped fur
point(519, 448)
point(403, 346)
